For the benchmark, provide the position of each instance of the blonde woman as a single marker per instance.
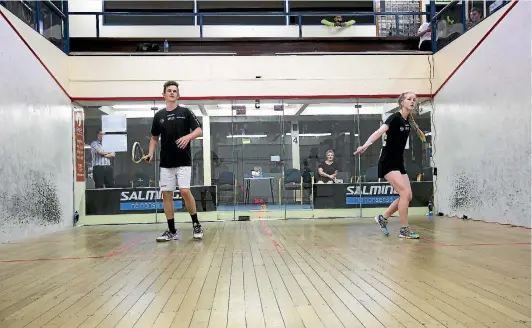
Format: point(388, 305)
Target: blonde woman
point(328, 169)
point(391, 163)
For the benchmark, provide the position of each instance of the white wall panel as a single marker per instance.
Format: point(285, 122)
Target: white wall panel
point(482, 128)
point(205, 76)
point(51, 56)
point(36, 150)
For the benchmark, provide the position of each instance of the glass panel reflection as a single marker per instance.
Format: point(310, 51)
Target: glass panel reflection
point(264, 159)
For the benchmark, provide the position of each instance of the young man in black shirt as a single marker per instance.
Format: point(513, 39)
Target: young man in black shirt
point(177, 126)
point(391, 167)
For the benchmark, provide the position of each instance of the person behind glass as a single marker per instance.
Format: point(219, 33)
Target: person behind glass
point(391, 164)
point(102, 171)
point(328, 169)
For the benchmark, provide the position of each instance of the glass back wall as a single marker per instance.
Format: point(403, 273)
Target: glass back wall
point(271, 159)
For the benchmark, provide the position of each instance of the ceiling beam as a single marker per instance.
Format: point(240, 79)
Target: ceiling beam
point(203, 110)
point(301, 109)
point(107, 110)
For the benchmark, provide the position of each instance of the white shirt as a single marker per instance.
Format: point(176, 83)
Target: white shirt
point(97, 159)
point(426, 36)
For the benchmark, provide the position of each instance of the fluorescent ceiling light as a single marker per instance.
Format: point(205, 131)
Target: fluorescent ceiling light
point(135, 106)
point(251, 105)
point(325, 110)
point(247, 136)
point(311, 134)
point(142, 113)
point(249, 112)
point(321, 110)
point(319, 134)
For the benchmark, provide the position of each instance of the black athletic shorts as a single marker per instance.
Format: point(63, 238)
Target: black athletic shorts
point(387, 167)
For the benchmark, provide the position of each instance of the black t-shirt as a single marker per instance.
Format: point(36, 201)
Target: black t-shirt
point(172, 125)
point(395, 138)
point(327, 169)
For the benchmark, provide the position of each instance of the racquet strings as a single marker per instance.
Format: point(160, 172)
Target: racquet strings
point(137, 153)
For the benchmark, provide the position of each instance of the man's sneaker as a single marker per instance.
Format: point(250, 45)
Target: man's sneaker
point(198, 232)
point(382, 222)
point(406, 233)
point(167, 236)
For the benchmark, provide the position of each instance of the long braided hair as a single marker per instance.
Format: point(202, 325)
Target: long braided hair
point(410, 117)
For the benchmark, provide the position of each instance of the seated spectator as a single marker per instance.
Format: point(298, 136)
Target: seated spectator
point(328, 169)
point(338, 22)
point(425, 37)
point(475, 16)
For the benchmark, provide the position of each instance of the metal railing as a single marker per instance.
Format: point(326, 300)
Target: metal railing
point(437, 20)
point(445, 29)
point(31, 13)
point(200, 16)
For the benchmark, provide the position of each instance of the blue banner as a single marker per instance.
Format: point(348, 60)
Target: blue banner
point(375, 200)
point(143, 206)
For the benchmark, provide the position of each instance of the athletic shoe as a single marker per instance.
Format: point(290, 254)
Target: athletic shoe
point(382, 222)
point(406, 233)
point(167, 236)
point(198, 232)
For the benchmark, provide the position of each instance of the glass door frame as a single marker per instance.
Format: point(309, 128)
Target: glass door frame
point(245, 179)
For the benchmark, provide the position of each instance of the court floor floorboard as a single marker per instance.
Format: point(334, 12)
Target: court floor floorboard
point(295, 273)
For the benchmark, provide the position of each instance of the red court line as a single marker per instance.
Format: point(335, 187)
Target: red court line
point(432, 241)
point(438, 244)
point(268, 231)
point(34, 54)
point(205, 98)
point(123, 248)
point(488, 244)
point(476, 47)
point(109, 255)
point(50, 259)
point(385, 96)
point(268, 97)
point(510, 225)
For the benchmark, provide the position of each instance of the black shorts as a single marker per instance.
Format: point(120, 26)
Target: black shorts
point(387, 167)
point(426, 45)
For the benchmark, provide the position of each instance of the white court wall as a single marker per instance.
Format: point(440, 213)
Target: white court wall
point(225, 76)
point(482, 131)
point(52, 57)
point(36, 150)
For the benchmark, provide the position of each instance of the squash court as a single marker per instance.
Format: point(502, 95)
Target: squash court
point(276, 273)
point(78, 231)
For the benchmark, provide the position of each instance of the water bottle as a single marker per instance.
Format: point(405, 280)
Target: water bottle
point(165, 46)
point(431, 208)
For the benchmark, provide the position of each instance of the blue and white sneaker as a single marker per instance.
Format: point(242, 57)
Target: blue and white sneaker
point(382, 222)
point(197, 232)
point(167, 236)
point(407, 234)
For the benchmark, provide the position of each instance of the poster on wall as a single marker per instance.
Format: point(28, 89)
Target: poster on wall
point(80, 145)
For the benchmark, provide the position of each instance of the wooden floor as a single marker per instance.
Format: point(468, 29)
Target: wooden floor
point(297, 273)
